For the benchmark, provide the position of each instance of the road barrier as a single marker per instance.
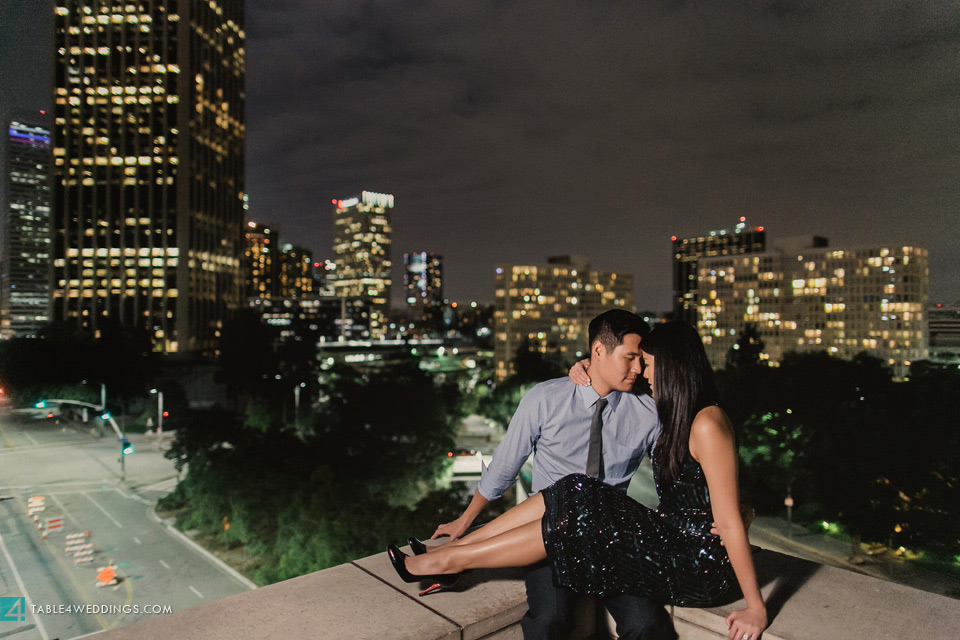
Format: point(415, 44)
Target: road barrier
point(35, 505)
point(52, 525)
point(83, 556)
point(70, 537)
point(81, 553)
point(107, 576)
point(74, 545)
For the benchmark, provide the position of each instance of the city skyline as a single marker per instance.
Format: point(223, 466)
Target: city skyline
point(659, 122)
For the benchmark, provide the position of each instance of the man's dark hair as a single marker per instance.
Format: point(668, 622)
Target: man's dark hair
point(610, 328)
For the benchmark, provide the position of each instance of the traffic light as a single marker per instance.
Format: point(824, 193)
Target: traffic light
point(41, 405)
point(125, 447)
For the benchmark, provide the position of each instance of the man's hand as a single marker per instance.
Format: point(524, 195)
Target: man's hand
point(747, 514)
point(453, 529)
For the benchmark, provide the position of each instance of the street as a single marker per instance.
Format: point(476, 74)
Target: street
point(77, 474)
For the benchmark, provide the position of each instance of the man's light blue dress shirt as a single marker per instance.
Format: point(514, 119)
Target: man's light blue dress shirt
point(553, 420)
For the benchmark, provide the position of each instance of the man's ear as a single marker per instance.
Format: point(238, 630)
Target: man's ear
point(595, 349)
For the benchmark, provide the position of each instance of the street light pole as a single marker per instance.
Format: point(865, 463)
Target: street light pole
point(296, 406)
point(159, 413)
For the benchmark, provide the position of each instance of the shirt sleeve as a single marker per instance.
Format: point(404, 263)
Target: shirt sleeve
point(514, 449)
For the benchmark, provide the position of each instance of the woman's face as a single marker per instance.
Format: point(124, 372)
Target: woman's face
point(648, 369)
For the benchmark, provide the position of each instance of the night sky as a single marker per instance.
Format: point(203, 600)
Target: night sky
point(513, 131)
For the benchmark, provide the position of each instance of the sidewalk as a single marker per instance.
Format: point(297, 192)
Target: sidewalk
point(777, 534)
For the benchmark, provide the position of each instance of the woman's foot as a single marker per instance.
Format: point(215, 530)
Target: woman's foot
point(417, 568)
point(416, 546)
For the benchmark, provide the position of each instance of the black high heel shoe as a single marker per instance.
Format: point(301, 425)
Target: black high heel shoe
point(416, 546)
point(439, 581)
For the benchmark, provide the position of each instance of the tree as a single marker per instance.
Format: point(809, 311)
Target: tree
point(747, 349)
point(532, 367)
point(248, 364)
point(303, 501)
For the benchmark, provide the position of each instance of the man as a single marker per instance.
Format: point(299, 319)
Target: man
point(602, 430)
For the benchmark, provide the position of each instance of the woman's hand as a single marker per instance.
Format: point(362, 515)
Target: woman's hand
point(578, 373)
point(747, 624)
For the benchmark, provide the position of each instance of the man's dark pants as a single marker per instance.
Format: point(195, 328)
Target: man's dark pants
point(550, 614)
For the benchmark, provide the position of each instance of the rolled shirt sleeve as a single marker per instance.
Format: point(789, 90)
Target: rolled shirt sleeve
point(515, 448)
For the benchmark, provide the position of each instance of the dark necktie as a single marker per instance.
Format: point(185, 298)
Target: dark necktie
point(595, 452)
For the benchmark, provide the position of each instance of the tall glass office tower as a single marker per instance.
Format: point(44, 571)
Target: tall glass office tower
point(148, 166)
point(25, 229)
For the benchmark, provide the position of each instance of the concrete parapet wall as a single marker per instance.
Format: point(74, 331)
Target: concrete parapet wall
point(366, 599)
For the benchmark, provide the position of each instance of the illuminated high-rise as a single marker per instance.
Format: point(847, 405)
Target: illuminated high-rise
point(423, 281)
point(25, 259)
point(842, 301)
point(361, 247)
point(688, 251)
point(549, 306)
point(149, 166)
point(296, 271)
point(261, 261)
point(944, 323)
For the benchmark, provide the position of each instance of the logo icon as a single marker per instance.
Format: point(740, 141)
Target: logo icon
point(13, 609)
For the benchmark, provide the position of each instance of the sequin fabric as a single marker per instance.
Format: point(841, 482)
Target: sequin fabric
point(599, 540)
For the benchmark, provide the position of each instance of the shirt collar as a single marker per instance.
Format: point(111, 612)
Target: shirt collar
point(589, 397)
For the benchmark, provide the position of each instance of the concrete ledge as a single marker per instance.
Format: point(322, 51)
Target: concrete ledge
point(365, 599)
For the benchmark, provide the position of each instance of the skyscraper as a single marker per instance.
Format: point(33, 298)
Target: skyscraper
point(361, 247)
point(423, 280)
point(261, 261)
point(25, 241)
point(149, 157)
point(549, 307)
point(296, 271)
point(688, 251)
point(842, 301)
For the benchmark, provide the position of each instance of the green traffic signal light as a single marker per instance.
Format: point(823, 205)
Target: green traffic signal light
point(125, 447)
point(41, 405)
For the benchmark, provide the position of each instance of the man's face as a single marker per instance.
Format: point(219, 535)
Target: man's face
point(619, 368)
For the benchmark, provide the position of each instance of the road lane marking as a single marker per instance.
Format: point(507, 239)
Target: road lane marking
point(165, 565)
point(137, 540)
point(6, 441)
point(85, 494)
point(69, 572)
point(23, 590)
point(72, 517)
point(27, 436)
point(135, 497)
point(217, 562)
point(47, 447)
point(199, 595)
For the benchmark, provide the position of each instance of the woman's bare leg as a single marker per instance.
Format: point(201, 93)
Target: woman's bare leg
point(527, 511)
point(516, 547)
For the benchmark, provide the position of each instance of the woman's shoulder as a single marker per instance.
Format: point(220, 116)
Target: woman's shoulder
point(709, 426)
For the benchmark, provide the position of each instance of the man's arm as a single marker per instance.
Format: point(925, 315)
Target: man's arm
point(509, 456)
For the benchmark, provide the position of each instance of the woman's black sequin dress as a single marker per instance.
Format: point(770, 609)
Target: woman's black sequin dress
point(601, 541)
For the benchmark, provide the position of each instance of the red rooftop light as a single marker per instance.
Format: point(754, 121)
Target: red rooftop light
point(759, 228)
point(673, 238)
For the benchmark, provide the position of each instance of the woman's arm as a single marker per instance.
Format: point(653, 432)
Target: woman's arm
point(712, 445)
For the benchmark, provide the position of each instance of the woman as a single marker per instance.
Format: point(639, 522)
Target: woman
point(598, 540)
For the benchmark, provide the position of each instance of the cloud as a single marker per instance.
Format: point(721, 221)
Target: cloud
point(513, 131)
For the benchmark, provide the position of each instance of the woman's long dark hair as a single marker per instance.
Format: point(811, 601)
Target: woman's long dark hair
point(682, 386)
